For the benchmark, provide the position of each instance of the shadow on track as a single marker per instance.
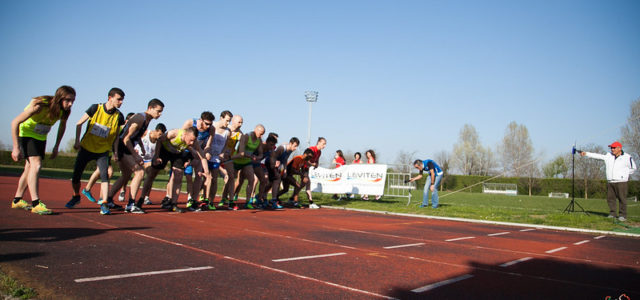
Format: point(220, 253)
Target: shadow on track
point(39, 235)
point(533, 279)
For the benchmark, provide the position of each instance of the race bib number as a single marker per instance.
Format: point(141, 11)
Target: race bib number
point(42, 129)
point(100, 130)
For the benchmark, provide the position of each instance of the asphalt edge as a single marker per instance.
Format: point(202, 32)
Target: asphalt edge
point(570, 229)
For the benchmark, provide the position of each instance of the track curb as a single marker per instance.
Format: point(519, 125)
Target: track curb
point(559, 228)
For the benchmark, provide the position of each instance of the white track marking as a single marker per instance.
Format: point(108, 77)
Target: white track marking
point(581, 242)
point(555, 250)
point(214, 254)
point(527, 229)
point(441, 242)
point(441, 283)
point(307, 257)
point(402, 246)
point(460, 238)
point(141, 274)
point(245, 262)
point(499, 233)
point(599, 237)
point(511, 263)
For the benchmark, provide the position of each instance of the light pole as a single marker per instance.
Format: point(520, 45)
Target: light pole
point(311, 97)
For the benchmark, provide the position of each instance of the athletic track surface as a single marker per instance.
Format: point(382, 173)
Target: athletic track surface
point(299, 254)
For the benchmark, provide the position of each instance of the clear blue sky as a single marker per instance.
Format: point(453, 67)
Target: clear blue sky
point(391, 75)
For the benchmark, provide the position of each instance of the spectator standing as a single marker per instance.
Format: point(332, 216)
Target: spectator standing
point(618, 166)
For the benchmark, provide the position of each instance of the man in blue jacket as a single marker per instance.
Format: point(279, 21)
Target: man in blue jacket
point(433, 181)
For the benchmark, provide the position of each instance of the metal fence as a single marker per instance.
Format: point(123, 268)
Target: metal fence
point(398, 187)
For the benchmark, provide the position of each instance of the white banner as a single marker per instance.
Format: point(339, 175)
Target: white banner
point(352, 179)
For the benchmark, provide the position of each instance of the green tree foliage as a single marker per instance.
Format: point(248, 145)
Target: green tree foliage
point(556, 168)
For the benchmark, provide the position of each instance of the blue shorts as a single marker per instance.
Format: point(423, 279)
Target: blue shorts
point(213, 165)
point(188, 170)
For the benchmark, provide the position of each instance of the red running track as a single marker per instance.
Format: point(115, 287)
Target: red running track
point(300, 254)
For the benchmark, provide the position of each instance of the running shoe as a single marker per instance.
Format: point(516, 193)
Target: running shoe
point(104, 209)
point(129, 207)
point(166, 202)
point(211, 206)
point(74, 200)
point(121, 196)
point(622, 219)
point(190, 203)
point(21, 204)
point(136, 210)
point(41, 209)
point(222, 202)
point(248, 205)
point(314, 206)
point(147, 201)
point(112, 205)
point(88, 195)
point(177, 209)
point(297, 205)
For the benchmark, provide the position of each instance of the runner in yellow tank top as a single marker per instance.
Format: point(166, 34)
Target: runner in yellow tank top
point(230, 149)
point(97, 143)
point(29, 134)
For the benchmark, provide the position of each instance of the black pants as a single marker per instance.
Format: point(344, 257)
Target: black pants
point(84, 157)
point(617, 190)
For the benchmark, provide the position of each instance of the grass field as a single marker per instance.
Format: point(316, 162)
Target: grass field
point(518, 209)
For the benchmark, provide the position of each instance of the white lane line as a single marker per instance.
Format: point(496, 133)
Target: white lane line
point(141, 274)
point(441, 283)
point(307, 257)
point(555, 250)
point(511, 263)
point(581, 242)
point(599, 237)
point(528, 229)
point(499, 233)
point(246, 262)
point(402, 246)
point(460, 238)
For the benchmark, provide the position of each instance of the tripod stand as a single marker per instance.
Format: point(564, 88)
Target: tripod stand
point(573, 203)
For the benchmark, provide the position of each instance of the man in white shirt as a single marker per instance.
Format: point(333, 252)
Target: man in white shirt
point(618, 167)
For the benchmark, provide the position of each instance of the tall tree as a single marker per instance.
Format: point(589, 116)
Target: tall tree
point(556, 168)
point(465, 152)
point(443, 159)
point(516, 150)
point(631, 133)
point(404, 160)
point(486, 162)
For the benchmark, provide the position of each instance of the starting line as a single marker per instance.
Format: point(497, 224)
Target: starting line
point(141, 274)
point(307, 257)
point(441, 283)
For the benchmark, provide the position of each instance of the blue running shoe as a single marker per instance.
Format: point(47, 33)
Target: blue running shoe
point(104, 209)
point(74, 200)
point(88, 195)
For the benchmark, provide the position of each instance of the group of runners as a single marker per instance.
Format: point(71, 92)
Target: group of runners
point(202, 150)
